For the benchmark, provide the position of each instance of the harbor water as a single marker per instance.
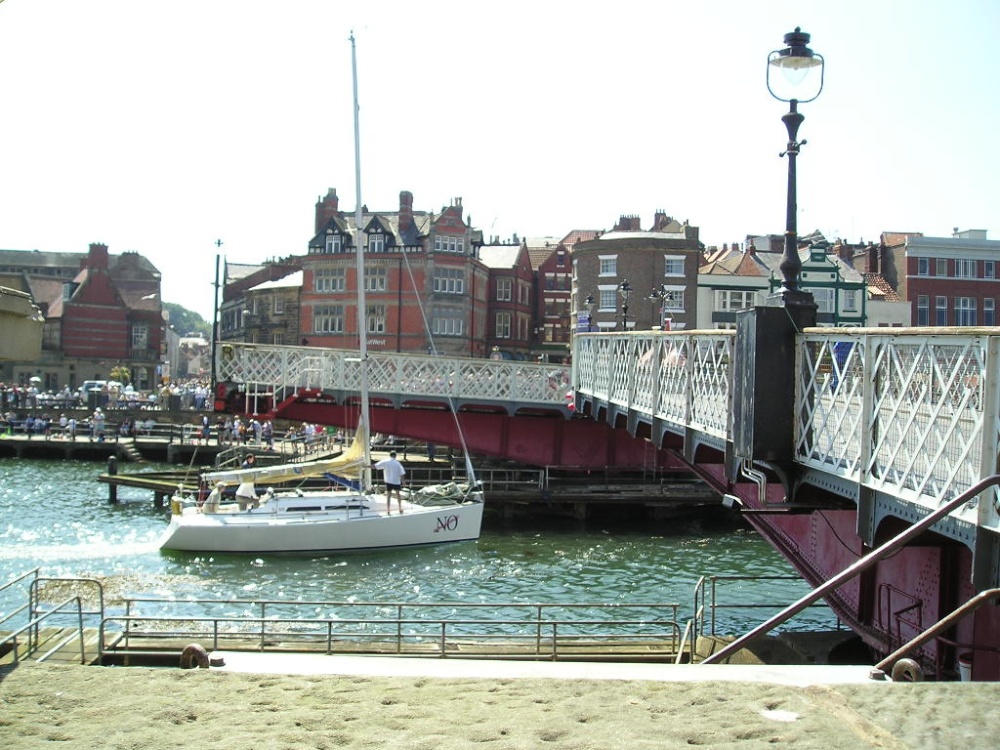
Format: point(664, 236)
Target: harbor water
point(55, 515)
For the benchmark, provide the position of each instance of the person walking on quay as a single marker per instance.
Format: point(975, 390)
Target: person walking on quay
point(393, 473)
point(98, 426)
point(246, 493)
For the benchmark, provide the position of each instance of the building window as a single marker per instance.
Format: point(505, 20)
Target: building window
point(449, 280)
point(989, 312)
point(941, 305)
point(989, 269)
point(279, 305)
point(504, 290)
point(140, 336)
point(376, 318)
point(923, 310)
point(923, 266)
point(673, 265)
point(449, 243)
point(965, 311)
point(673, 298)
point(731, 300)
point(941, 267)
point(609, 299)
point(329, 280)
point(334, 244)
point(608, 265)
point(824, 299)
point(278, 338)
point(503, 325)
point(965, 268)
point(447, 323)
point(328, 319)
point(376, 243)
point(375, 279)
point(850, 297)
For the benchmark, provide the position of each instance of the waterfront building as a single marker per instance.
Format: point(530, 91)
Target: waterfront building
point(510, 326)
point(553, 287)
point(417, 265)
point(948, 281)
point(639, 279)
point(101, 311)
point(243, 315)
point(739, 279)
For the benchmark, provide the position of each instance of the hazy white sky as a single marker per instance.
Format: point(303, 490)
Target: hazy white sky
point(163, 126)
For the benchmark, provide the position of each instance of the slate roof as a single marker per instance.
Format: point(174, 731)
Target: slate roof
point(499, 256)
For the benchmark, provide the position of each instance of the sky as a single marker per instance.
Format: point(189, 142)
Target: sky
point(163, 127)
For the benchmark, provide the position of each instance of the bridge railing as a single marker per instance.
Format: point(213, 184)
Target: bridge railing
point(285, 368)
point(912, 412)
point(681, 379)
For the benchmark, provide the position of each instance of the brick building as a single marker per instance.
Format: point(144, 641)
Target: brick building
point(101, 311)
point(948, 281)
point(660, 265)
point(417, 265)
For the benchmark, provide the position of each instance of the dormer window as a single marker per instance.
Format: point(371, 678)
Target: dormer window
point(334, 243)
point(376, 243)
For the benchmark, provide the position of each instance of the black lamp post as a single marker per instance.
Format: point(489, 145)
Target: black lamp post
point(801, 82)
point(590, 312)
point(661, 295)
point(625, 290)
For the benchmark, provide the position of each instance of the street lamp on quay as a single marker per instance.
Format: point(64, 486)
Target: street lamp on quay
point(590, 312)
point(661, 295)
point(625, 290)
point(800, 81)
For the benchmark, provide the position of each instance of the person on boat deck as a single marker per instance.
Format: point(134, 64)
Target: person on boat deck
point(246, 493)
point(214, 498)
point(392, 474)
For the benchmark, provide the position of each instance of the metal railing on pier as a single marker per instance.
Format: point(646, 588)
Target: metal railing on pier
point(439, 629)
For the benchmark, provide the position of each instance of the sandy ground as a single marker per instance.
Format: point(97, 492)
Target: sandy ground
point(138, 708)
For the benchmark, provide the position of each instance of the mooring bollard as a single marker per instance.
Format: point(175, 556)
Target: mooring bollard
point(112, 487)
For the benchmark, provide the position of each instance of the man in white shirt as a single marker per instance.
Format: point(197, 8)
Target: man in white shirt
point(392, 474)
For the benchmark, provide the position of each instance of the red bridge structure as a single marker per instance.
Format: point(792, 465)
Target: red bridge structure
point(853, 451)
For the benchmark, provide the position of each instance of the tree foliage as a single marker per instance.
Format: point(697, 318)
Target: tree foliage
point(187, 322)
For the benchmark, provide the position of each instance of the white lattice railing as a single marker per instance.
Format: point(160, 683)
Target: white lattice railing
point(285, 368)
point(912, 413)
point(680, 378)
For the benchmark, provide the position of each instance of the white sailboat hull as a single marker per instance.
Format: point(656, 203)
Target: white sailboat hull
point(321, 523)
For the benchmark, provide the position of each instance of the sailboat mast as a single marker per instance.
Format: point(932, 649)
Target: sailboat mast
point(359, 255)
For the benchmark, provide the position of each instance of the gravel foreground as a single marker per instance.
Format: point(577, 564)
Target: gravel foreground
point(135, 708)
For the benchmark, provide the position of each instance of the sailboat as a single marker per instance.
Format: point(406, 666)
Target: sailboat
point(350, 515)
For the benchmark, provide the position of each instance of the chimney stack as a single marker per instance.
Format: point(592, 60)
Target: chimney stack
point(327, 208)
point(405, 212)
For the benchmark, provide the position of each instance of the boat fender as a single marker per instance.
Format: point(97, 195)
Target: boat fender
point(194, 655)
point(907, 670)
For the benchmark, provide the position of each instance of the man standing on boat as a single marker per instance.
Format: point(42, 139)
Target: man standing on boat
point(392, 474)
point(246, 493)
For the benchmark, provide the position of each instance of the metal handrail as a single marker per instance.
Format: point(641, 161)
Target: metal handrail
point(983, 597)
point(33, 573)
point(857, 568)
point(542, 638)
point(34, 622)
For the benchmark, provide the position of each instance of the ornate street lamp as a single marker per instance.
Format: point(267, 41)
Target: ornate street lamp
point(590, 312)
point(661, 295)
point(625, 290)
point(801, 81)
